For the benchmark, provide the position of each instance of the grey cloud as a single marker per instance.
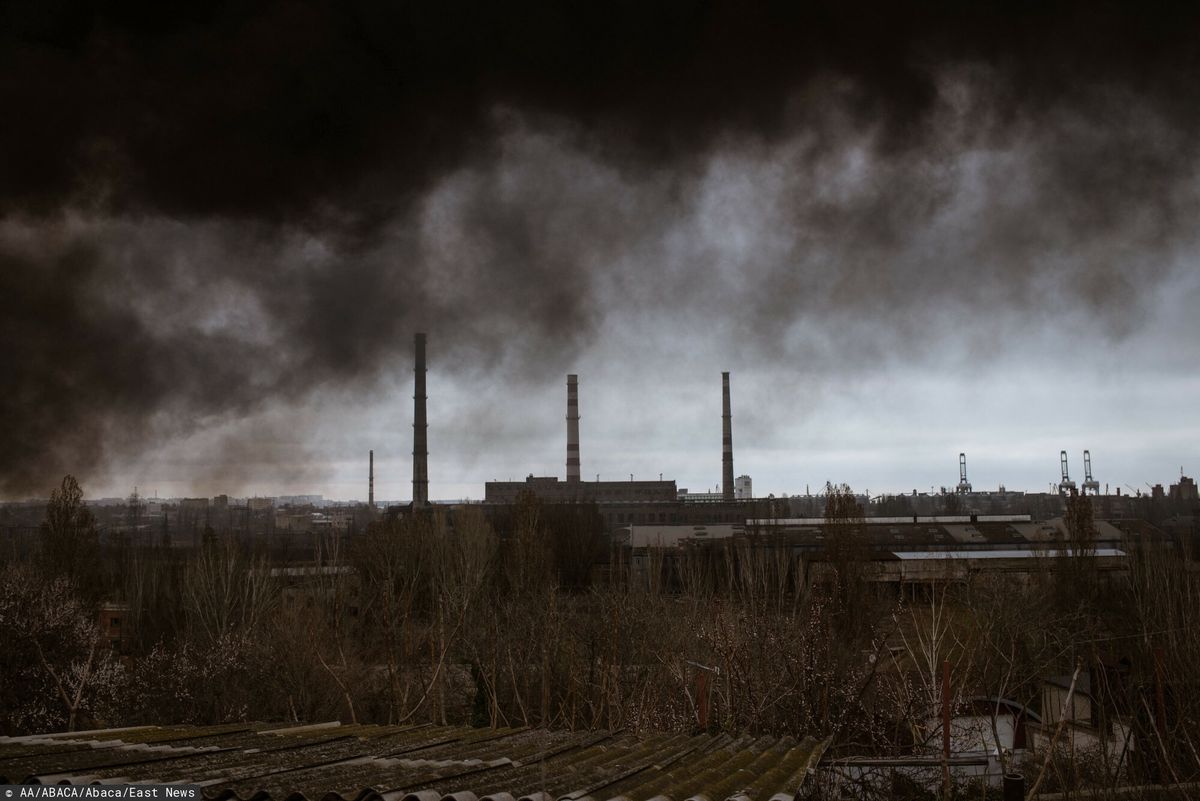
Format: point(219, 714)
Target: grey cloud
point(824, 245)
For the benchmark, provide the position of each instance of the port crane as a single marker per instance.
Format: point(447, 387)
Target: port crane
point(1089, 484)
point(1066, 486)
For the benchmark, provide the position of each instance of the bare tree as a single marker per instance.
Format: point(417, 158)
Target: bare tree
point(846, 549)
point(225, 592)
point(48, 622)
point(69, 542)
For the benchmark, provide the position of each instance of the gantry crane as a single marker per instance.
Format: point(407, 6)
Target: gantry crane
point(963, 484)
point(1089, 483)
point(1066, 486)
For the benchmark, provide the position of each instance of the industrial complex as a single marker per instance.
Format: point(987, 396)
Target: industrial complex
point(642, 503)
point(659, 514)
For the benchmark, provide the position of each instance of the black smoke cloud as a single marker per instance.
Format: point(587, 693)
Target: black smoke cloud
point(273, 109)
point(208, 210)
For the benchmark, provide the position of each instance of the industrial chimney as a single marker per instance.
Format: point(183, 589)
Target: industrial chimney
point(420, 430)
point(573, 428)
point(371, 482)
point(726, 443)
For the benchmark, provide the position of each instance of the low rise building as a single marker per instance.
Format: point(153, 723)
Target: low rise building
point(549, 489)
point(114, 627)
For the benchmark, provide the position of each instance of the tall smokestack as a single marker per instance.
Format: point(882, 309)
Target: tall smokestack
point(420, 430)
point(371, 482)
point(572, 428)
point(726, 442)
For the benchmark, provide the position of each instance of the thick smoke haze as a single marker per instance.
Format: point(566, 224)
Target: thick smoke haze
point(905, 234)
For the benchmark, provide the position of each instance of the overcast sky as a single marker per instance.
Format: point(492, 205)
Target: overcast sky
point(905, 235)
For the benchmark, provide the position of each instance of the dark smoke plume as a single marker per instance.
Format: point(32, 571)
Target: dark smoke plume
point(210, 210)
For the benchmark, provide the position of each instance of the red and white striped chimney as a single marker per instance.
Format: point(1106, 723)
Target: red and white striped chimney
point(726, 442)
point(572, 428)
point(420, 476)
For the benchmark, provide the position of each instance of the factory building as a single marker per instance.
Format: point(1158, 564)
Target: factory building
point(1184, 491)
point(622, 504)
point(700, 497)
point(548, 489)
point(743, 488)
point(907, 555)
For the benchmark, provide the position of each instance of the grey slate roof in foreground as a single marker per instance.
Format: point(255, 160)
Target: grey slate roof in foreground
point(418, 763)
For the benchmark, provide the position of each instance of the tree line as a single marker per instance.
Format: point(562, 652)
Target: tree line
point(532, 618)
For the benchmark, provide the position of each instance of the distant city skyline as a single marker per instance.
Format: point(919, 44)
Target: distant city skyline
point(919, 452)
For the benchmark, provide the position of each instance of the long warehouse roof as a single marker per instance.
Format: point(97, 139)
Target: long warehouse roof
point(1006, 554)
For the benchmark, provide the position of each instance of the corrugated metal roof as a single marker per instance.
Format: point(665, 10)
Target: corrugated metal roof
point(418, 763)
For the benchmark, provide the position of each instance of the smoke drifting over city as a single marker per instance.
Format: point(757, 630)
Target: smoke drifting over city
point(225, 224)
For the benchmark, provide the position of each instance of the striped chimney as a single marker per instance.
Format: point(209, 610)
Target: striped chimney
point(420, 474)
point(726, 442)
point(572, 428)
point(371, 482)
